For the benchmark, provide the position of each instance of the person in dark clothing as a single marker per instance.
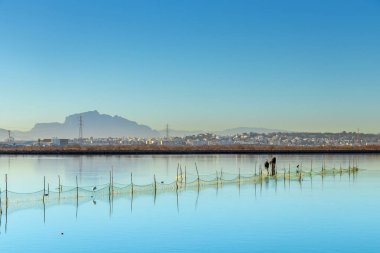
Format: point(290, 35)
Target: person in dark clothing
point(273, 162)
point(266, 165)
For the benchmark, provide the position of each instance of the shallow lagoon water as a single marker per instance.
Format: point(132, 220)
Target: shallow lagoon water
point(336, 214)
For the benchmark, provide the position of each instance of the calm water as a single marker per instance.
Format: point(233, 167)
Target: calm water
point(336, 214)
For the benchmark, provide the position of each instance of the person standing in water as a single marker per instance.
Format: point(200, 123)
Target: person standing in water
point(273, 162)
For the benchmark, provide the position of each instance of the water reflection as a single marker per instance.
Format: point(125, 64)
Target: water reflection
point(27, 172)
point(242, 183)
point(191, 215)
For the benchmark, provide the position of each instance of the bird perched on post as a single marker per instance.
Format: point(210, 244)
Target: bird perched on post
point(93, 190)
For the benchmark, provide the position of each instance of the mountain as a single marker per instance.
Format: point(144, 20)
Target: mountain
point(102, 126)
point(94, 125)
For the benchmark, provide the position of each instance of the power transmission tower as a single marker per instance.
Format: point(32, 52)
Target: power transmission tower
point(10, 138)
point(80, 129)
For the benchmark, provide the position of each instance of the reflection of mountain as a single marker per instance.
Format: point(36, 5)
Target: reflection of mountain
point(94, 124)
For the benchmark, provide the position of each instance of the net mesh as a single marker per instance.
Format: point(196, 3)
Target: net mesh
point(184, 181)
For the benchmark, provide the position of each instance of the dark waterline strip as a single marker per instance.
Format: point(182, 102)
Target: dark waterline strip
point(188, 150)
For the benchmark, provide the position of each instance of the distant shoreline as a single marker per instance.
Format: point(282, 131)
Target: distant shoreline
point(188, 150)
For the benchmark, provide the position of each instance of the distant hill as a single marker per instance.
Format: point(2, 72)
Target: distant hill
point(180, 133)
point(102, 126)
point(230, 131)
point(239, 130)
point(94, 124)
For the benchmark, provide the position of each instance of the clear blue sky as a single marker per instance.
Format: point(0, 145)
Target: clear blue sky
point(297, 65)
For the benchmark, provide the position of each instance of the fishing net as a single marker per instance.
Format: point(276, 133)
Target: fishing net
point(76, 195)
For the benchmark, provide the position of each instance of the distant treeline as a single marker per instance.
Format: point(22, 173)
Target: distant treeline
point(171, 149)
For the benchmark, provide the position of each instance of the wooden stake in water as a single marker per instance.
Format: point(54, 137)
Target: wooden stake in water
point(76, 180)
point(59, 184)
point(131, 185)
point(177, 173)
point(155, 184)
point(176, 180)
point(185, 176)
point(112, 183)
point(44, 194)
point(6, 203)
point(109, 187)
point(6, 190)
point(180, 168)
point(196, 168)
point(221, 177)
point(59, 189)
point(217, 179)
point(76, 209)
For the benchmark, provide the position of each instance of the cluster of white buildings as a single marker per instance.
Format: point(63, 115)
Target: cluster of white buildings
point(282, 139)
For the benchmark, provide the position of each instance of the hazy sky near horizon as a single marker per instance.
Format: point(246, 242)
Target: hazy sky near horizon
point(295, 65)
